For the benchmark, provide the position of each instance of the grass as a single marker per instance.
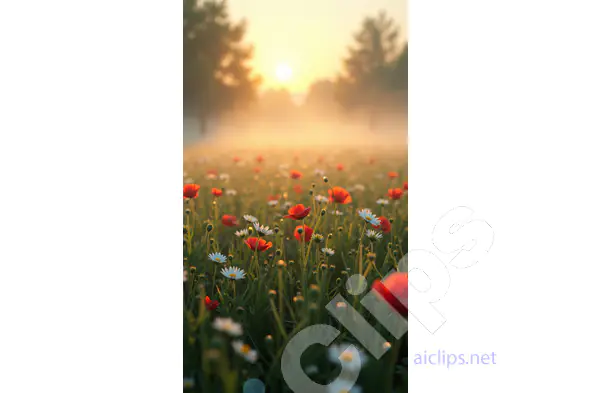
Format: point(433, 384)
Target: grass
point(286, 287)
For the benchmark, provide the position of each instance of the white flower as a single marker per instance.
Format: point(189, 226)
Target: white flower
point(328, 251)
point(262, 230)
point(224, 177)
point(227, 325)
point(369, 217)
point(287, 205)
point(217, 257)
point(373, 235)
point(336, 213)
point(231, 192)
point(273, 203)
point(344, 386)
point(359, 187)
point(348, 355)
point(242, 233)
point(319, 172)
point(233, 273)
point(250, 218)
point(211, 176)
point(321, 199)
point(382, 201)
point(245, 351)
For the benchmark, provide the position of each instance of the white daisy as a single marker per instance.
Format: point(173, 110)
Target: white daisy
point(273, 203)
point(373, 235)
point(344, 386)
point(369, 217)
point(227, 325)
point(328, 251)
point(245, 351)
point(316, 237)
point(321, 199)
point(348, 355)
point(250, 218)
point(382, 201)
point(233, 273)
point(217, 257)
point(231, 192)
point(224, 177)
point(262, 230)
point(242, 233)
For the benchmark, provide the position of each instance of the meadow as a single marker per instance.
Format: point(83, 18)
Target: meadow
point(270, 237)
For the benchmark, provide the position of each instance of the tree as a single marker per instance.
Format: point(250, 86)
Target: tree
point(373, 69)
point(216, 75)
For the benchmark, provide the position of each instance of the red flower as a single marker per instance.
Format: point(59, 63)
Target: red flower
point(229, 221)
point(395, 193)
point(393, 175)
point(211, 304)
point(339, 195)
point(385, 225)
point(274, 197)
point(297, 188)
point(307, 231)
point(296, 174)
point(217, 192)
point(298, 212)
point(340, 167)
point(257, 244)
point(394, 290)
point(406, 185)
point(212, 172)
point(191, 190)
point(236, 159)
point(260, 158)
point(257, 170)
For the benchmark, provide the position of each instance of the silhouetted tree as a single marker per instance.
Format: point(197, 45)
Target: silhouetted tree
point(216, 76)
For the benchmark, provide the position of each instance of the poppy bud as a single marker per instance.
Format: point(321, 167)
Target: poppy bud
point(281, 264)
point(324, 266)
point(329, 236)
point(391, 220)
point(291, 262)
point(344, 273)
point(276, 229)
point(340, 229)
point(314, 290)
point(278, 253)
point(310, 192)
point(211, 241)
point(272, 293)
point(230, 257)
point(184, 231)
point(372, 256)
point(390, 245)
point(250, 230)
point(338, 281)
point(312, 185)
point(187, 211)
point(332, 268)
point(268, 339)
point(323, 213)
point(209, 228)
point(325, 179)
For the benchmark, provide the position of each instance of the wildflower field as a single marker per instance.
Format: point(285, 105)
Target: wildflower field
point(269, 239)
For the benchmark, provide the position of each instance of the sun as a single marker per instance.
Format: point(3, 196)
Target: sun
point(284, 72)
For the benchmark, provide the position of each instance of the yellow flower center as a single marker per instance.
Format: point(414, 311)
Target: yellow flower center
point(217, 259)
point(346, 357)
point(245, 348)
point(232, 275)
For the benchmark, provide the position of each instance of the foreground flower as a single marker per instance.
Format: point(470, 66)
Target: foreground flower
point(306, 233)
point(227, 325)
point(339, 195)
point(256, 244)
point(394, 290)
point(217, 192)
point(242, 233)
point(296, 174)
point(328, 251)
point(190, 190)
point(369, 217)
point(233, 273)
point(345, 355)
point(250, 218)
point(262, 230)
point(245, 351)
point(316, 237)
point(217, 257)
point(373, 235)
point(298, 212)
point(382, 201)
point(211, 304)
point(229, 221)
point(384, 225)
point(395, 193)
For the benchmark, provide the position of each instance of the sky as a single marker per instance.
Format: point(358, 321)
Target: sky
point(306, 38)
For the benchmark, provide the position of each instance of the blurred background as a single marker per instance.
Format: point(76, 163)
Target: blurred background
point(267, 73)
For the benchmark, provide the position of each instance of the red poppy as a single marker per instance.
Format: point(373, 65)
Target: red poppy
point(340, 167)
point(191, 190)
point(394, 290)
point(217, 192)
point(229, 221)
point(385, 225)
point(296, 174)
point(298, 212)
point(236, 159)
point(257, 244)
point(339, 195)
point(274, 197)
point(297, 188)
point(395, 193)
point(307, 231)
point(260, 158)
point(211, 304)
point(393, 175)
point(406, 185)
point(320, 159)
point(212, 172)
point(257, 170)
